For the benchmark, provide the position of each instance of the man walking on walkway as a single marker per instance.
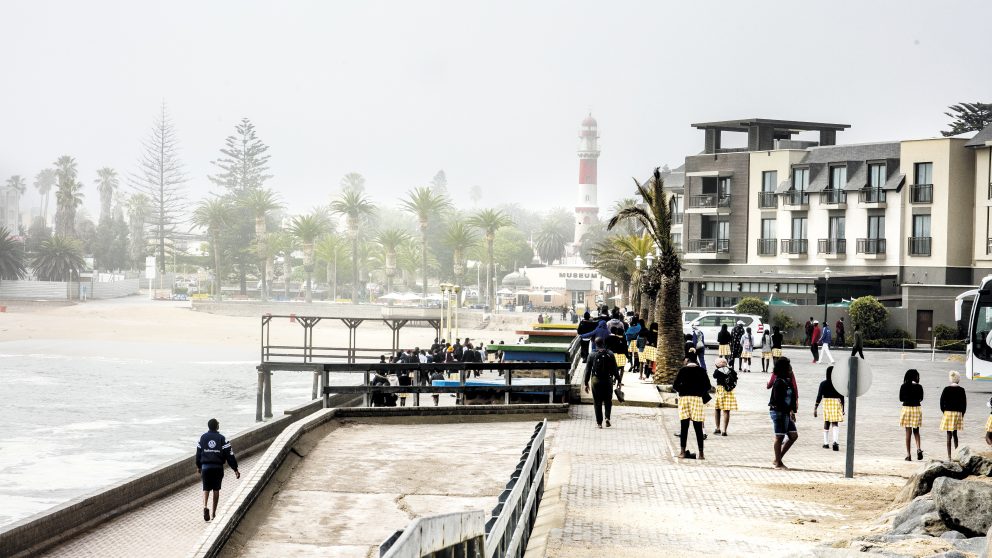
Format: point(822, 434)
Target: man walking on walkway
point(839, 331)
point(825, 339)
point(601, 371)
point(212, 452)
point(857, 347)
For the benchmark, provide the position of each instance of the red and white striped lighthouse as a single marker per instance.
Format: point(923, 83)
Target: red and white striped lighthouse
point(587, 208)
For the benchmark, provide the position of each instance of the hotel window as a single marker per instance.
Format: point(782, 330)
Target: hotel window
point(723, 186)
point(798, 228)
point(836, 228)
point(876, 226)
point(921, 226)
point(769, 180)
point(768, 228)
point(800, 179)
point(924, 173)
point(876, 175)
point(838, 177)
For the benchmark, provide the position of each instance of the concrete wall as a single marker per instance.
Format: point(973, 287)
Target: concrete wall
point(737, 164)
point(983, 211)
point(114, 289)
point(780, 161)
point(33, 290)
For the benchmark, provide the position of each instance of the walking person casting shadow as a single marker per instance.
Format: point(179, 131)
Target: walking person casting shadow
point(693, 387)
point(601, 370)
point(212, 452)
point(782, 407)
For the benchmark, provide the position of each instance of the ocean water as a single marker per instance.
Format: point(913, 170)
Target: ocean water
point(74, 421)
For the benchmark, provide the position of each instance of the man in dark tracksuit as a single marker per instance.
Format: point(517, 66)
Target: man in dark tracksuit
point(212, 452)
point(585, 326)
point(601, 370)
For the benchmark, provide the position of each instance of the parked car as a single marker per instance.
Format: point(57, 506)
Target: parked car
point(689, 315)
point(710, 325)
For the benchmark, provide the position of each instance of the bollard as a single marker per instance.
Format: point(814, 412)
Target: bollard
point(852, 407)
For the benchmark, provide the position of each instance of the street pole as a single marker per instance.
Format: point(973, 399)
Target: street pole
point(457, 304)
point(826, 292)
point(852, 407)
point(441, 329)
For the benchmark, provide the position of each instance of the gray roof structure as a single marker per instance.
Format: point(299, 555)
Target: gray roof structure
point(856, 158)
point(980, 138)
point(743, 124)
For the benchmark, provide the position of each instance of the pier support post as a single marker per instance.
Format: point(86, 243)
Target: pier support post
point(267, 396)
point(258, 396)
point(316, 384)
point(325, 377)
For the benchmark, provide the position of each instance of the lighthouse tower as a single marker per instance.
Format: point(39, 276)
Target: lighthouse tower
point(587, 208)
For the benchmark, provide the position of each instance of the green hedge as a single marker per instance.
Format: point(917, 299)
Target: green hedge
point(890, 343)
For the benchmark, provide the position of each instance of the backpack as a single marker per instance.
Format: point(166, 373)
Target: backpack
point(599, 368)
point(782, 395)
point(731, 381)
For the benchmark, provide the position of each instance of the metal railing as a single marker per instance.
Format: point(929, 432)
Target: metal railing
point(795, 246)
point(767, 246)
point(767, 200)
point(709, 245)
point(795, 197)
point(921, 193)
point(831, 246)
point(469, 534)
point(677, 218)
point(988, 246)
point(833, 196)
point(871, 246)
point(871, 195)
point(709, 201)
point(919, 245)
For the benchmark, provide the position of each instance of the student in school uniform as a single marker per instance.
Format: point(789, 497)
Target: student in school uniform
point(726, 401)
point(777, 338)
point(693, 387)
point(723, 339)
point(988, 424)
point(833, 409)
point(911, 417)
point(766, 349)
point(954, 404)
point(747, 346)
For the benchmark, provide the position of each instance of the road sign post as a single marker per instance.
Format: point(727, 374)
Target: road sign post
point(852, 379)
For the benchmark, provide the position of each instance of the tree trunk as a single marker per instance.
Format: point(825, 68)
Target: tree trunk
point(216, 249)
point(423, 249)
point(354, 266)
point(308, 268)
point(671, 339)
point(289, 272)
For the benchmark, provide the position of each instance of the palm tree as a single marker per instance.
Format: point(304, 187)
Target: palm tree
point(106, 184)
point(68, 196)
point(616, 258)
point(459, 237)
point(356, 207)
point(261, 201)
point(662, 281)
point(213, 214)
point(550, 242)
point(489, 221)
point(308, 229)
point(11, 257)
point(424, 203)
point(138, 206)
point(353, 181)
point(58, 259)
point(43, 182)
point(329, 250)
point(389, 241)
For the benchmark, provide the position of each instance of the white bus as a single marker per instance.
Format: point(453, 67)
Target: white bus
point(978, 347)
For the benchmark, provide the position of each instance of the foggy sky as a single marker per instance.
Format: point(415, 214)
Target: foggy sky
point(493, 94)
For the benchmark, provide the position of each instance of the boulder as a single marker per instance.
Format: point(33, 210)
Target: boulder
point(964, 506)
point(973, 463)
point(950, 554)
point(953, 535)
point(920, 506)
point(921, 482)
point(974, 545)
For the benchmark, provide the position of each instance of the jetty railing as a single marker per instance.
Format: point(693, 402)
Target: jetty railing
point(505, 533)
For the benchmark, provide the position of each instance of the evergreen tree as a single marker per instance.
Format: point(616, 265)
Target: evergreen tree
point(244, 163)
point(68, 196)
point(968, 117)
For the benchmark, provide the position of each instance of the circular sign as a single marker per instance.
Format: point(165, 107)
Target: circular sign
point(842, 374)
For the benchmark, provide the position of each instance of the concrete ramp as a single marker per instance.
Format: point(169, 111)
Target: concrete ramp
point(353, 482)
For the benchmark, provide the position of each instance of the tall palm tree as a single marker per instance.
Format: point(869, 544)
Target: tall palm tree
point(389, 241)
point(58, 259)
point(489, 221)
point(260, 202)
point(356, 207)
point(424, 203)
point(308, 229)
point(43, 182)
point(213, 214)
point(11, 257)
point(616, 258)
point(459, 237)
point(353, 181)
point(329, 250)
point(68, 196)
point(663, 281)
point(106, 184)
point(138, 207)
point(550, 242)
point(16, 184)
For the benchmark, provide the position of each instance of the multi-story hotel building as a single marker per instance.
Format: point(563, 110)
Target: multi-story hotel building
point(766, 219)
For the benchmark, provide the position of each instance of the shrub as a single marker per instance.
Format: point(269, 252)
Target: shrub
point(782, 321)
point(890, 343)
point(753, 305)
point(869, 314)
point(948, 338)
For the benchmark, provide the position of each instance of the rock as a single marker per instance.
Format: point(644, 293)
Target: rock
point(973, 463)
point(974, 545)
point(953, 535)
point(921, 505)
point(921, 483)
point(926, 524)
point(950, 554)
point(965, 506)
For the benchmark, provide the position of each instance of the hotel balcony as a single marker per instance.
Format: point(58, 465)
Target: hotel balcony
point(871, 248)
point(920, 245)
point(795, 199)
point(677, 218)
point(921, 193)
point(833, 199)
point(708, 203)
point(872, 198)
point(708, 249)
point(767, 246)
point(832, 248)
point(767, 200)
point(795, 247)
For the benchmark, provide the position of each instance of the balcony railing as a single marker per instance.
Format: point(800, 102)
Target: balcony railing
point(709, 245)
point(795, 246)
point(921, 193)
point(919, 245)
point(831, 246)
point(988, 246)
point(833, 197)
point(871, 195)
point(767, 246)
point(709, 201)
point(795, 197)
point(677, 218)
point(871, 246)
point(767, 200)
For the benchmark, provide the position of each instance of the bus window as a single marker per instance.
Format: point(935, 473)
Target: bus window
point(982, 326)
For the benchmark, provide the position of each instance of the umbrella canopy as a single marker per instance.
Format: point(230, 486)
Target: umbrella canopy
point(434, 296)
point(408, 297)
point(390, 296)
point(779, 302)
point(842, 304)
point(504, 291)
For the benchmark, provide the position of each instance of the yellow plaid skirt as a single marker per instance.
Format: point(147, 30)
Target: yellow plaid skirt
point(650, 353)
point(988, 424)
point(952, 420)
point(745, 354)
point(691, 407)
point(724, 350)
point(632, 347)
point(911, 417)
point(725, 400)
point(767, 355)
point(621, 360)
point(832, 410)
point(776, 353)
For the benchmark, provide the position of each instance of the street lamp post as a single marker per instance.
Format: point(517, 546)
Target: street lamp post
point(457, 289)
point(826, 292)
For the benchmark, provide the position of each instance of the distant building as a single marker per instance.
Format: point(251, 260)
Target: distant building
point(10, 207)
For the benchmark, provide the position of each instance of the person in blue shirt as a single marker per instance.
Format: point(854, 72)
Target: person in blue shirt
point(601, 332)
point(826, 338)
point(212, 451)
